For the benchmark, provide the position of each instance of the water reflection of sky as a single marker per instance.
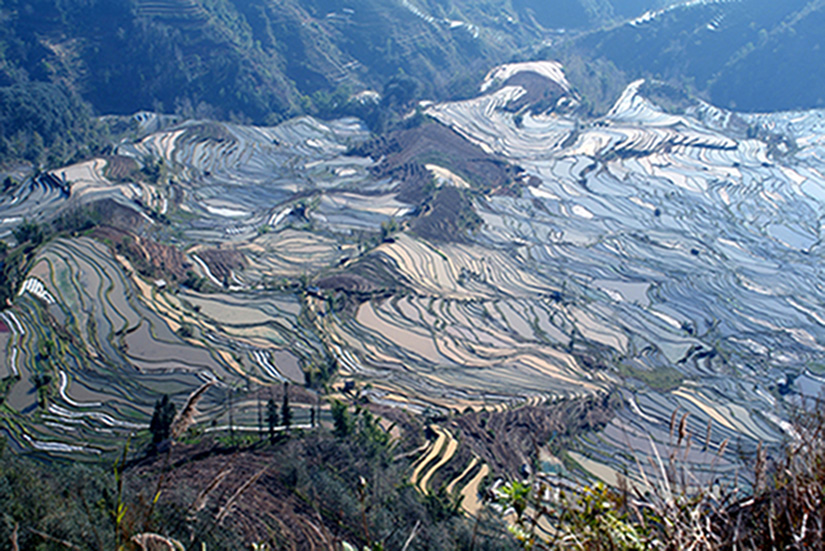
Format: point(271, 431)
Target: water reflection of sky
point(722, 236)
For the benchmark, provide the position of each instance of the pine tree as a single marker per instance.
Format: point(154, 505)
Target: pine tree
point(260, 418)
point(272, 418)
point(162, 418)
point(286, 412)
point(342, 421)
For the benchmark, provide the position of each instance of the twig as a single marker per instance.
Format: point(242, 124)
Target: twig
point(90, 518)
point(245, 486)
point(322, 533)
point(13, 537)
point(200, 501)
point(45, 536)
point(149, 541)
point(412, 536)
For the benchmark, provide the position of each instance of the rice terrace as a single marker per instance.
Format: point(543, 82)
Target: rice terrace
point(499, 278)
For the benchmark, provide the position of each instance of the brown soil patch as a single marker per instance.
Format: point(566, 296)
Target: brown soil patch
point(120, 168)
point(347, 283)
point(150, 258)
point(542, 93)
point(403, 153)
point(104, 211)
point(268, 506)
point(222, 262)
point(298, 492)
point(365, 279)
point(448, 217)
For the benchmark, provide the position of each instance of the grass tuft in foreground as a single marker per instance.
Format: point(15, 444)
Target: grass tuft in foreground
point(782, 508)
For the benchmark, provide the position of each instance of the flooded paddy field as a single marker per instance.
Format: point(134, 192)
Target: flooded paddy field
point(670, 259)
point(94, 349)
point(677, 242)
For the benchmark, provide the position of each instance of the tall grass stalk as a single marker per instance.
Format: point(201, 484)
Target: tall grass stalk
point(783, 508)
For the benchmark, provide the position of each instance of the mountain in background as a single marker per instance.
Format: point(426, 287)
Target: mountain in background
point(259, 61)
point(254, 58)
point(750, 55)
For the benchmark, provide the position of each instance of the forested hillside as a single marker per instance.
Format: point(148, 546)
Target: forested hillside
point(261, 60)
point(751, 55)
point(255, 61)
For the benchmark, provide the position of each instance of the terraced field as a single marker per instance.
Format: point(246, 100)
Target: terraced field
point(92, 344)
point(680, 241)
point(671, 259)
point(441, 454)
point(119, 346)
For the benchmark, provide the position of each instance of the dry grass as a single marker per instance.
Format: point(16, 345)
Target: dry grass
point(186, 417)
point(783, 509)
point(155, 542)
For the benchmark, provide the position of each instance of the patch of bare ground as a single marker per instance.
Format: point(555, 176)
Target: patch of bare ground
point(120, 168)
point(300, 492)
point(252, 492)
point(541, 93)
point(150, 258)
point(401, 155)
point(347, 283)
point(222, 262)
point(449, 216)
point(104, 211)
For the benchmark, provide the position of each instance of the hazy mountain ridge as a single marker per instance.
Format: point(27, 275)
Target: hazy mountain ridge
point(263, 61)
point(256, 58)
point(751, 55)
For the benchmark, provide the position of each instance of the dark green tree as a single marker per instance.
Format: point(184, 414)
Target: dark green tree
point(162, 418)
point(8, 184)
point(29, 231)
point(341, 419)
point(42, 382)
point(286, 411)
point(272, 418)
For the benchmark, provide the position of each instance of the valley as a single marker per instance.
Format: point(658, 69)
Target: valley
point(411, 274)
point(665, 261)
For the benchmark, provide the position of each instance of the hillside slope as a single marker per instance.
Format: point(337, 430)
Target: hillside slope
point(751, 55)
point(256, 58)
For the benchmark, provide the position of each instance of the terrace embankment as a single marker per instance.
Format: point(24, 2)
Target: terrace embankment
point(459, 451)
